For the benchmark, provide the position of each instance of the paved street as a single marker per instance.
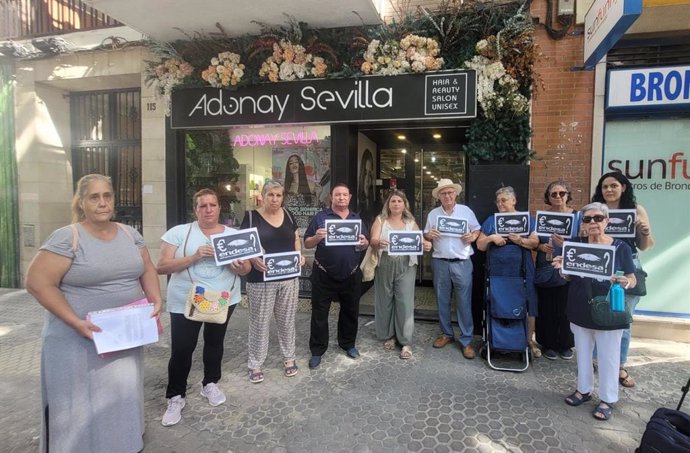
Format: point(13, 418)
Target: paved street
point(437, 401)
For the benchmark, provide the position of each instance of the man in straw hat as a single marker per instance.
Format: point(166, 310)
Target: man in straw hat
point(451, 265)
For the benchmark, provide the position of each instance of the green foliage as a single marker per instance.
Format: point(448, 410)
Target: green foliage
point(457, 26)
point(209, 161)
point(505, 139)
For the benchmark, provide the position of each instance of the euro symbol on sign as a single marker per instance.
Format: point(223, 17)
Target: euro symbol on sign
point(220, 245)
point(571, 255)
point(500, 222)
point(542, 220)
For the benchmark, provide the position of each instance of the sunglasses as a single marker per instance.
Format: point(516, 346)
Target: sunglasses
point(595, 218)
point(558, 194)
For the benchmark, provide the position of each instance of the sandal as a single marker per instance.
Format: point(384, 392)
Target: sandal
point(625, 379)
point(290, 370)
point(534, 349)
point(256, 376)
point(389, 344)
point(603, 411)
point(576, 398)
point(406, 353)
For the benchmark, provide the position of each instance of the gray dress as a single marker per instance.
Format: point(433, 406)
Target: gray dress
point(92, 403)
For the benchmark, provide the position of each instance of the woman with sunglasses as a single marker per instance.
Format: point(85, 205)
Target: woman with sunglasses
point(553, 329)
point(615, 190)
point(595, 218)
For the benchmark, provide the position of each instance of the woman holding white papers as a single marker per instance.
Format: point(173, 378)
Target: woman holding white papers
point(395, 276)
point(187, 254)
point(278, 296)
point(582, 290)
point(91, 402)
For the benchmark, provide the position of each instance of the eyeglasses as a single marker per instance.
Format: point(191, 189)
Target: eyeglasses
point(596, 218)
point(447, 194)
point(558, 194)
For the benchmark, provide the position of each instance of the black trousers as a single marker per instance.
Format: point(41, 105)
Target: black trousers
point(552, 325)
point(324, 290)
point(184, 335)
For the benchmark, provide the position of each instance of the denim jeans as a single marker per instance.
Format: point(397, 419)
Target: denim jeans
point(449, 276)
point(625, 340)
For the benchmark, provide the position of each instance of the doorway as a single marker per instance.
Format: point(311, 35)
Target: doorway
point(413, 160)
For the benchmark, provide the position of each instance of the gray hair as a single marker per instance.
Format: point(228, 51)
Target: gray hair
point(507, 189)
point(81, 191)
point(596, 206)
point(270, 185)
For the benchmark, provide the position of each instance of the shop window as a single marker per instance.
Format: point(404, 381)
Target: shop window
point(236, 163)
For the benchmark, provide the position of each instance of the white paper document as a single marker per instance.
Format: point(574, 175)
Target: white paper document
point(124, 327)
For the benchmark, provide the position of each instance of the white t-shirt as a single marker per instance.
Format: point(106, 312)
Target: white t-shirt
point(452, 246)
point(204, 272)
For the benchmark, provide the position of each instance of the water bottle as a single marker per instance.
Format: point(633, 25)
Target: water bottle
point(549, 255)
point(617, 295)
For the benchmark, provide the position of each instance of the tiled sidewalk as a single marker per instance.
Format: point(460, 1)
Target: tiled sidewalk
point(437, 401)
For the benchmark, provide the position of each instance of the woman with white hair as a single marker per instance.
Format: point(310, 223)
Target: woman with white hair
point(595, 217)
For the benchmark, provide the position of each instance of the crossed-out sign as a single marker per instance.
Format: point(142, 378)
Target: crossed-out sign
point(282, 265)
point(239, 244)
point(507, 223)
point(621, 223)
point(588, 260)
point(548, 223)
point(451, 226)
point(342, 232)
point(405, 242)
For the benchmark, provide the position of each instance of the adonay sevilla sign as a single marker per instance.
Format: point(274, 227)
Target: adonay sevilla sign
point(605, 22)
point(438, 95)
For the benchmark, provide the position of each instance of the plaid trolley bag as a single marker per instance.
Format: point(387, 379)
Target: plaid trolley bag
point(506, 300)
point(668, 431)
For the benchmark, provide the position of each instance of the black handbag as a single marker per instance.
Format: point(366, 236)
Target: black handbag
point(640, 288)
point(603, 316)
point(600, 309)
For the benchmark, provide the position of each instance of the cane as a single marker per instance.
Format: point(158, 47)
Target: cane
point(685, 392)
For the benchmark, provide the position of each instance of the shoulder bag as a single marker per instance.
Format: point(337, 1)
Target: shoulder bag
point(600, 309)
point(369, 263)
point(203, 304)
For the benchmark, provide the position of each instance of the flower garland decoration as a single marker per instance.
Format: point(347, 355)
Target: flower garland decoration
point(166, 75)
point(496, 89)
point(412, 54)
point(291, 61)
point(224, 70)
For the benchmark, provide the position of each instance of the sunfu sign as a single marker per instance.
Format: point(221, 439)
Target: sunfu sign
point(650, 87)
point(605, 22)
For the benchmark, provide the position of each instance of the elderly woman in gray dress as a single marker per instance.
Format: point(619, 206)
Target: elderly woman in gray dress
point(91, 402)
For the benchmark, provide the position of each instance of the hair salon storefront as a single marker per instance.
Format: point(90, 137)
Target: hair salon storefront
point(372, 133)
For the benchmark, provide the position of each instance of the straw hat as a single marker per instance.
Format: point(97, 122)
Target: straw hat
point(445, 183)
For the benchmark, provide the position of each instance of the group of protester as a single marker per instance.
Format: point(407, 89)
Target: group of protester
point(96, 264)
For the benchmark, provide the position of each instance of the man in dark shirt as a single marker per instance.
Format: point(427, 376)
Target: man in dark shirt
point(335, 276)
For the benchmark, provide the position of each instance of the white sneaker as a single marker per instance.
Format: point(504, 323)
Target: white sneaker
point(174, 412)
point(214, 395)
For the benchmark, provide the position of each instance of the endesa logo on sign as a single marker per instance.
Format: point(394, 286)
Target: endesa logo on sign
point(650, 87)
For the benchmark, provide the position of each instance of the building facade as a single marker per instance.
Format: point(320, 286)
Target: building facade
point(87, 107)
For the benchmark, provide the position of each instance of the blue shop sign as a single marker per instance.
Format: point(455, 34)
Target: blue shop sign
point(658, 88)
